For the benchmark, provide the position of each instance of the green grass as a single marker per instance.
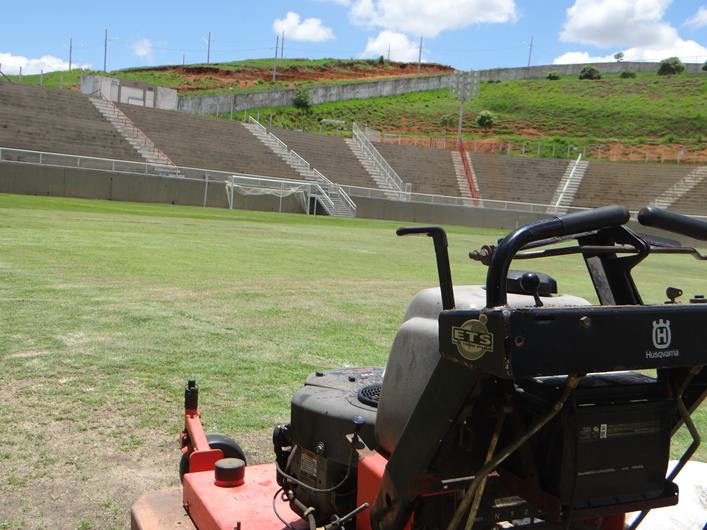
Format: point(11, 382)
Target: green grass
point(647, 109)
point(107, 308)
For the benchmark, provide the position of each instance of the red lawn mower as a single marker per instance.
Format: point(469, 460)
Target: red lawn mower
point(501, 405)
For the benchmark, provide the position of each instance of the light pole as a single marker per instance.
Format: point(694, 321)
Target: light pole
point(465, 86)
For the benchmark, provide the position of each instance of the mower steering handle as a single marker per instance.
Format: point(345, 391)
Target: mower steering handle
point(673, 222)
point(573, 223)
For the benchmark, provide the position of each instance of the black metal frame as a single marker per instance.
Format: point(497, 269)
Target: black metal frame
point(610, 251)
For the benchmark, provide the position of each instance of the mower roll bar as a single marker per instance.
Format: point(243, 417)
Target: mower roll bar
point(558, 226)
point(673, 222)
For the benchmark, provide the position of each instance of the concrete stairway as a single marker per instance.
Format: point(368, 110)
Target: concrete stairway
point(373, 170)
point(135, 137)
point(681, 188)
point(334, 200)
point(464, 190)
point(568, 186)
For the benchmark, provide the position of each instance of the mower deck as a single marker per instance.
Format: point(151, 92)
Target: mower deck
point(250, 504)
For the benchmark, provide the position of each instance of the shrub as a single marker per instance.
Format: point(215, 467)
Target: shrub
point(671, 66)
point(301, 99)
point(627, 74)
point(485, 119)
point(589, 72)
point(381, 60)
point(553, 76)
point(704, 67)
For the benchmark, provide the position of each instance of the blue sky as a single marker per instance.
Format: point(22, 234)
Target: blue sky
point(462, 33)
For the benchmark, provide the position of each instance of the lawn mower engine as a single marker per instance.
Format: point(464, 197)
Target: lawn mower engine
point(501, 405)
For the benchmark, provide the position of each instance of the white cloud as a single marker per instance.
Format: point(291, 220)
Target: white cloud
point(143, 49)
point(429, 19)
point(635, 27)
point(309, 29)
point(401, 48)
point(699, 20)
point(11, 64)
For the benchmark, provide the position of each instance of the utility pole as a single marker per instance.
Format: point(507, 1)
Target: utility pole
point(282, 45)
point(208, 50)
point(184, 59)
point(274, 63)
point(530, 51)
point(71, 50)
point(105, 51)
point(388, 51)
point(419, 56)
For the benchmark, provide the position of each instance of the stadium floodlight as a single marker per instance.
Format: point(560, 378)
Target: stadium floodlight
point(465, 85)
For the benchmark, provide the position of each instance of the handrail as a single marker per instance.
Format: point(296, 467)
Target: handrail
point(467, 171)
point(119, 166)
point(123, 118)
point(391, 177)
point(569, 179)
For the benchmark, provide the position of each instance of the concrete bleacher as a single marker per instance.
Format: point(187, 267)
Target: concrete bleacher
point(428, 170)
point(507, 178)
point(200, 142)
point(59, 122)
point(330, 155)
point(632, 185)
point(694, 202)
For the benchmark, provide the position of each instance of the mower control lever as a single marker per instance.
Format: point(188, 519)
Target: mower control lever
point(573, 223)
point(439, 238)
point(673, 222)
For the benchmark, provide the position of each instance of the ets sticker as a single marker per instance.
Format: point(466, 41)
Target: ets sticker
point(472, 339)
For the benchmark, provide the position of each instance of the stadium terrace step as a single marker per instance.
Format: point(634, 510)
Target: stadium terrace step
point(35, 118)
point(333, 199)
point(373, 170)
point(681, 188)
point(568, 186)
point(135, 137)
point(464, 190)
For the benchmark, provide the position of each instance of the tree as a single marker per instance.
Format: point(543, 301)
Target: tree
point(485, 119)
point(301, 99)
point(589, 72)
point(704, 67)
point(671, 66)
point(619, 56)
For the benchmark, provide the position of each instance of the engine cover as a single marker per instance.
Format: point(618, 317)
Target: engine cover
point(322, 415)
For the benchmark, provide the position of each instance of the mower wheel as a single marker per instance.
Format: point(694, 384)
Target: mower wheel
point(228, 445)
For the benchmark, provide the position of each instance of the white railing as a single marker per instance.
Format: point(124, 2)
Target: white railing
point(391, 177)
point(568, 181)
point(199, 174)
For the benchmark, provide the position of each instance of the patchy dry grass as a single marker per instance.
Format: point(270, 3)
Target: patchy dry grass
point(107, 308)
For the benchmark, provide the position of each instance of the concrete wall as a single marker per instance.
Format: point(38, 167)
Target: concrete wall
point(27, 179)
point(536, 72)
point(220, 104)
point(130, 92)
point(322, 94)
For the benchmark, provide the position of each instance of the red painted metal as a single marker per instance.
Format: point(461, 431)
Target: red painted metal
point(370, 472)
point(195, 444)
point(249, 505)
point(469, 173)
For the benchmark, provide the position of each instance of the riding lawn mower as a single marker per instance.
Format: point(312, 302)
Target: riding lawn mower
point(501, 405)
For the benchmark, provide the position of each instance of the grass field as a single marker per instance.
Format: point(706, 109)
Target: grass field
point(107, 308)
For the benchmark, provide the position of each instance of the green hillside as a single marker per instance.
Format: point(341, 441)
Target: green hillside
point(649, 109)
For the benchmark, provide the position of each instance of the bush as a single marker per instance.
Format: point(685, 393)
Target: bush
point(626, 74)
point(381, 60)
point(671, 66)
point(704, 67)
point(301, 99)
point(553, 76)
point(485, 119)
point(589, 72)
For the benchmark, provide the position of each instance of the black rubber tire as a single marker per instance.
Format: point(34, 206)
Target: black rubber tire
point(228, 446)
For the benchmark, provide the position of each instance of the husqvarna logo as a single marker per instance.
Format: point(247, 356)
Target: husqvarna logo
point(661, 334)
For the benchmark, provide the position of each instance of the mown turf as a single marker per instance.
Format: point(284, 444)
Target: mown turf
point(107, 308)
